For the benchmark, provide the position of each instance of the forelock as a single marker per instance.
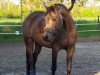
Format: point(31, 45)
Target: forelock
point(51, 9)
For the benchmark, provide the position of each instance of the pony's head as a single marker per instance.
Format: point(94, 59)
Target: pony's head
point(53, 24)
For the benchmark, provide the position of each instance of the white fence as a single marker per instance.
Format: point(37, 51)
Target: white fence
point(18, 33)
point(89, 24)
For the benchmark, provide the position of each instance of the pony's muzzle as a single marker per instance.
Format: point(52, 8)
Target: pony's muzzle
point(48, 35)
point(46, 38)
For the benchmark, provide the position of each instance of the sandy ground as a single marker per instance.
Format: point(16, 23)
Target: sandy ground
point(86, 59)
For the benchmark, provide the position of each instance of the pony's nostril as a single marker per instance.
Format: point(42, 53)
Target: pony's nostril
point(45, 38)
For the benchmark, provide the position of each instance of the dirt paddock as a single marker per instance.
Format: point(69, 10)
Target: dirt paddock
point(86, 59)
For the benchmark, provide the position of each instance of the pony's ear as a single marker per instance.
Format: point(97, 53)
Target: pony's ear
point(57, 8)
point(45, 5)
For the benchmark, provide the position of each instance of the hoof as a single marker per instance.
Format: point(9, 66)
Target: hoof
point(33, 72)
point(53, 73)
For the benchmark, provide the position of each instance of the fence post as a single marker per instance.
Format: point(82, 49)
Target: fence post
point(76, 24)
point(21, 9)
point(98, 22)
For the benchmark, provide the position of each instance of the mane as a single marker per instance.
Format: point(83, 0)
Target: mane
point(62, 5)
point(52, 8)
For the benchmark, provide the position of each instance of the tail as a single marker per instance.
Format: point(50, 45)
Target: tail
point(72, 5)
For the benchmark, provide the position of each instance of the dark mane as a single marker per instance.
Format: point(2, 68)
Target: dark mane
point(62, 5)
point(52, 8)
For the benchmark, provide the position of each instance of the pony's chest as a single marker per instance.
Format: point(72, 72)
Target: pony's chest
point(63, 43)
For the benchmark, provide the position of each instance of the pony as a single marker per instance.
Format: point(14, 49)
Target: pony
point(53, 29)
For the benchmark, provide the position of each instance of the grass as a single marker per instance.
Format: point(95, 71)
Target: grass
point(87, 20)
point(82, 20)
point(89, 34)
point(17, 21)
point(11, 38)
point(7, 21)
point(87, 27)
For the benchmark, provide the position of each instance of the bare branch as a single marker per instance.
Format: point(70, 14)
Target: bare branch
point(72, 5)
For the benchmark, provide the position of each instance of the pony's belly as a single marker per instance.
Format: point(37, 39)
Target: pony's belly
point(40, 41)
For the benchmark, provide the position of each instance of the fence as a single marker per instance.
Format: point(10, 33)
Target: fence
point(17, 32)
point(89, 24)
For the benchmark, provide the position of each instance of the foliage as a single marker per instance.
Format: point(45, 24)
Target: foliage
point(10, 10)
point(82, 2)
point(85, 11)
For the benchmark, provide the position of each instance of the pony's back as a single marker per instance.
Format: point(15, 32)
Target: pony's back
point(29, 20)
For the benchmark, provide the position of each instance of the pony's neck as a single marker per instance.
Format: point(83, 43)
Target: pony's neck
point(68, 19)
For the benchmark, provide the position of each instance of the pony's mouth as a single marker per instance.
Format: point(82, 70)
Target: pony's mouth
point(48, 38)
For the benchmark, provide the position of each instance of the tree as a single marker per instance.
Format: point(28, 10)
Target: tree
point(81, 2)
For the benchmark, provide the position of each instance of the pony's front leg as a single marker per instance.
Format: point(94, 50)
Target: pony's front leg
point(54, 59)
point(29, 57)
point(70, 53)
point(35, 55)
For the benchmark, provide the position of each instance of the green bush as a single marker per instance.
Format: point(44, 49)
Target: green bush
point(1, 13)
point(85, 11)
point(14, 11)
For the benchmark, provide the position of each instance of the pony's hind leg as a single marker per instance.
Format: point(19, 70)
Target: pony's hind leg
point(29, 56)
point(70, 53)
point(36, 53)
